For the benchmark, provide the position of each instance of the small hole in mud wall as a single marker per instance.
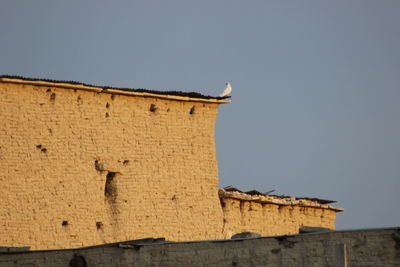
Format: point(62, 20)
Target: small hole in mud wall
point(192, 110)
point(44, 150)
point(53, 97)
point(78, 261)
point(48, 90)
point(65, 223)
point(126, 162)
point(110, 189)
point(107, 115)
point(112, 97)
point(153, 108)
point(107, 105)
point(99, 225)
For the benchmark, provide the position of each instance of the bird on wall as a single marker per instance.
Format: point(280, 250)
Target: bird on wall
point(227, 91)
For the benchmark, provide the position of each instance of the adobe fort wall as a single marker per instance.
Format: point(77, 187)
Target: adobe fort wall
point(84, 165)
point(273, 215)
point(81, 168)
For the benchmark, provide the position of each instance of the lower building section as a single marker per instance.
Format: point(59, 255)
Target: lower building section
point(270, 215)
point(377, 247)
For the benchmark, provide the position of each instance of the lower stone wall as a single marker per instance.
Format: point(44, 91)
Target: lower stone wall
point(377, 247)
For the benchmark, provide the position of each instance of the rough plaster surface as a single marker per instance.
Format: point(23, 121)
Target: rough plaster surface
point(271, 219)
point(81, 168)
point(363, 248)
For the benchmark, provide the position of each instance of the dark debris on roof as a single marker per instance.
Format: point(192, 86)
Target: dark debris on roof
point(139, 90)
point(255, 192)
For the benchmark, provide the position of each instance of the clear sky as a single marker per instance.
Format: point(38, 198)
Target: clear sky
point(316, 84)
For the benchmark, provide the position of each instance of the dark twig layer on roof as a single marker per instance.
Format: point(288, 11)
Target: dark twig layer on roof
point(255, 192)
point(253, 195)
point(138, 90)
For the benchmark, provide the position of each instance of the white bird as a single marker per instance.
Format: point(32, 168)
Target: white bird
point(227, 91)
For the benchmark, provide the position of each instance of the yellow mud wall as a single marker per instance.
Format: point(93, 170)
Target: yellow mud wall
point(80, 168)
point(271, 219)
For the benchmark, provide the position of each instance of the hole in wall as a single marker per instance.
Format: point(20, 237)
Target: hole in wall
point(78, 261)
point(64, 223)
point(192, 110)
point(107, 105)
point(275, 250)
point(126, 162)
point(48, 90)
point(110, 189)
point(112, 97)
point(99, 225)
point(39, 146)
point(107, 115)
point(153, 108)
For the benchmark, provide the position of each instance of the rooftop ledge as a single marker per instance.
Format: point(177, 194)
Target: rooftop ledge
point(278, 200)
point(170, 95)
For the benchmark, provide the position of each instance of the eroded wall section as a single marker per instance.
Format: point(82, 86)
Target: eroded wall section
point(268, 216)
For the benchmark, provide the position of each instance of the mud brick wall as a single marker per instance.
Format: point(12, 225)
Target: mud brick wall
point(80, 168)
point(83, 166)
point(272, 219)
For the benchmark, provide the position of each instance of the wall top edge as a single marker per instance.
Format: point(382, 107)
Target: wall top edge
point(278, 200)
point(169, 95)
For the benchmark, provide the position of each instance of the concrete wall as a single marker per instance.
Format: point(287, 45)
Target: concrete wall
point(80, 168)
point(363, 248)
point(272, 219)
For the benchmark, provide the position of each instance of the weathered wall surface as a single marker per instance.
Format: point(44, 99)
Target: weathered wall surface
point(272, 219)
point(360, 248)
point(80, 168)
